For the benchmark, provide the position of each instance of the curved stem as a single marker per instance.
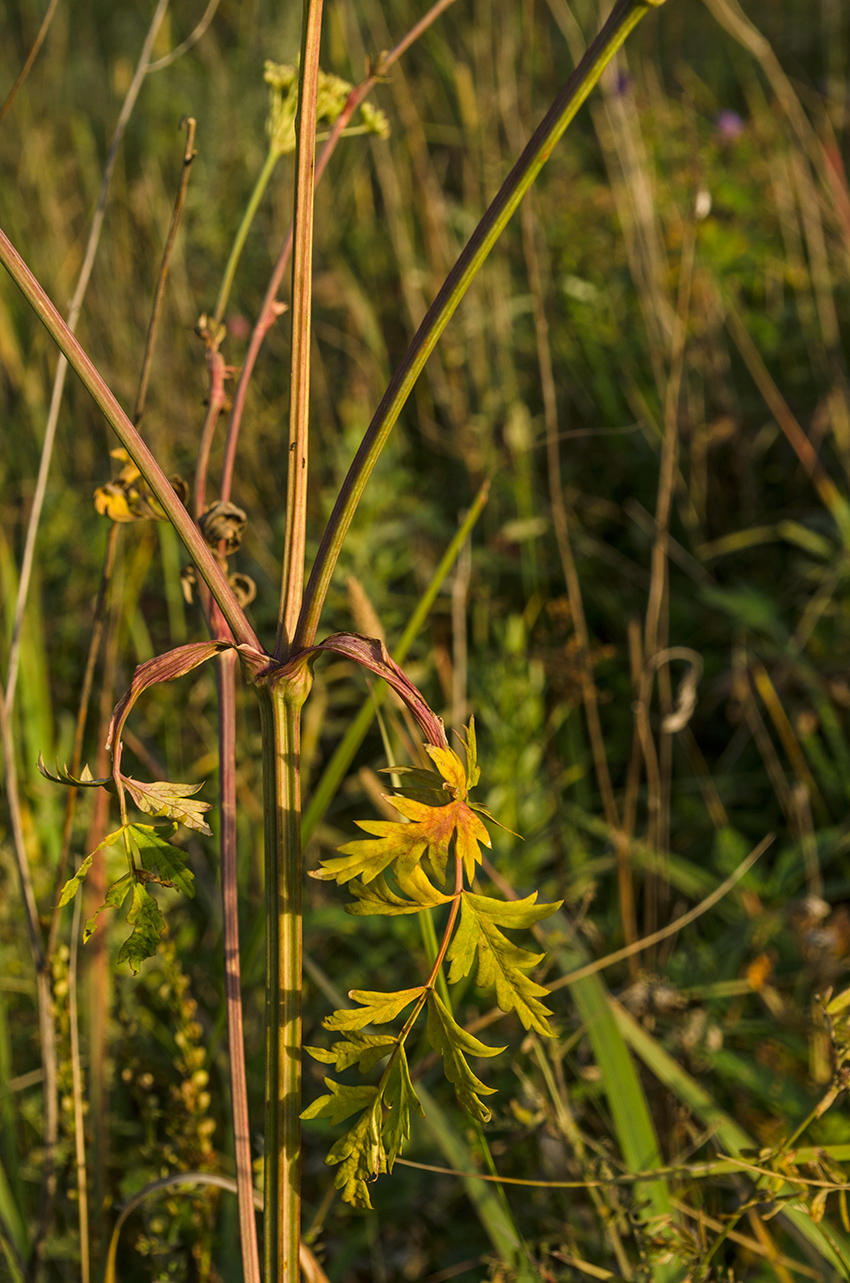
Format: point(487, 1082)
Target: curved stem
point(133, 443)
point(624, 17)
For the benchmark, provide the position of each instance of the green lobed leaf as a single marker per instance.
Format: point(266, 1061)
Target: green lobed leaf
point(73, 884)
point(363, 1050)
point(148, 927)
point(366, 859)
point(176, 801)
point(360, 1156)
point(399, 1098)
point(501, 963)
point(342, 1102)
point(378, 1008)
point(454, 1044)
point(115, 897)
point(156, 854)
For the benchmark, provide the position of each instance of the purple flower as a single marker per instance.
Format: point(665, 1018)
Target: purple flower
point(729, 125)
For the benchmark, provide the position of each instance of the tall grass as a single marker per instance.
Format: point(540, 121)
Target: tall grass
point(649, 625)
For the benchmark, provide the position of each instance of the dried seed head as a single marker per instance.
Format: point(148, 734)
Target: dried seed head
point(223, 523)
point(244, 588)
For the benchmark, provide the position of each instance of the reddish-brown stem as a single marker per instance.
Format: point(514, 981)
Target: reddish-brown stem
point(226, 672)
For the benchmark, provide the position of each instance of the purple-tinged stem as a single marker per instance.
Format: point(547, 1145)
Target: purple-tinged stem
point(226, 672)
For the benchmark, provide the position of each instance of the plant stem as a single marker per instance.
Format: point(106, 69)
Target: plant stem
point(129, 437)
point(244, 227)
point(226, 672)
point(295, 539)
point(280, 711)
point(271, 309)
point(625, 15)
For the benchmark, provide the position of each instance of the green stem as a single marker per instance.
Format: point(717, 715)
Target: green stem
point(344, 754)
point(280, 710)
point(625, 15)
point(244, 227)
point(295, 536)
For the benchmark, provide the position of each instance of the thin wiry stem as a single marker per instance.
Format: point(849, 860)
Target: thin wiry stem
point(77, 1092)
point(189, 155)
point(624, 17)
point(30, 59)
point(192, 39)
point(295, 538)
point(271, 308)
point(62, 364)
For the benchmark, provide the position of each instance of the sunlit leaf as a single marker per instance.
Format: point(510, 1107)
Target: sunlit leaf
point(501, 963)
point(429, 834)
point(454, 1044)
point(378, 1008)
point(399, 1099)
point(159, 856)
point(342, 1102)
point(378, 897)
point(73, 884)
point(363, 1050)
point(360, 1156)
point(85, 780)
point(174, 801)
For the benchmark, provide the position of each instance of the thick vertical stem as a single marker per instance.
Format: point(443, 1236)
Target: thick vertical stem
point(280, 708)
point(232, 971)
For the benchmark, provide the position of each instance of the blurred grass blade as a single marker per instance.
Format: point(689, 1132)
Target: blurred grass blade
point(728, 1133)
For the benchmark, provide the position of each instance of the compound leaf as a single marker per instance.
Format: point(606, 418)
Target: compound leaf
point(342, 1102)
point(378, 1008)
point(148, 926)
point(158, 856)
point(378, 897)
point(501, 963)
point(454, 1044)
point(399, 1098)
point(115, 897)
point(175, 801)
point(73, 884)
point(363, 1050)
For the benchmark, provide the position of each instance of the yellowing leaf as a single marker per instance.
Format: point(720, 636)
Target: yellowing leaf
point(454, 1044)
point(501, 963)
point(342, 1102)
point(160, 798)
point(378, 897)
point(378, 1008)
point(362, 1050)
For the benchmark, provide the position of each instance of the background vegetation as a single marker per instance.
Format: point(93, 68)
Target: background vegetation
point(650, 371)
